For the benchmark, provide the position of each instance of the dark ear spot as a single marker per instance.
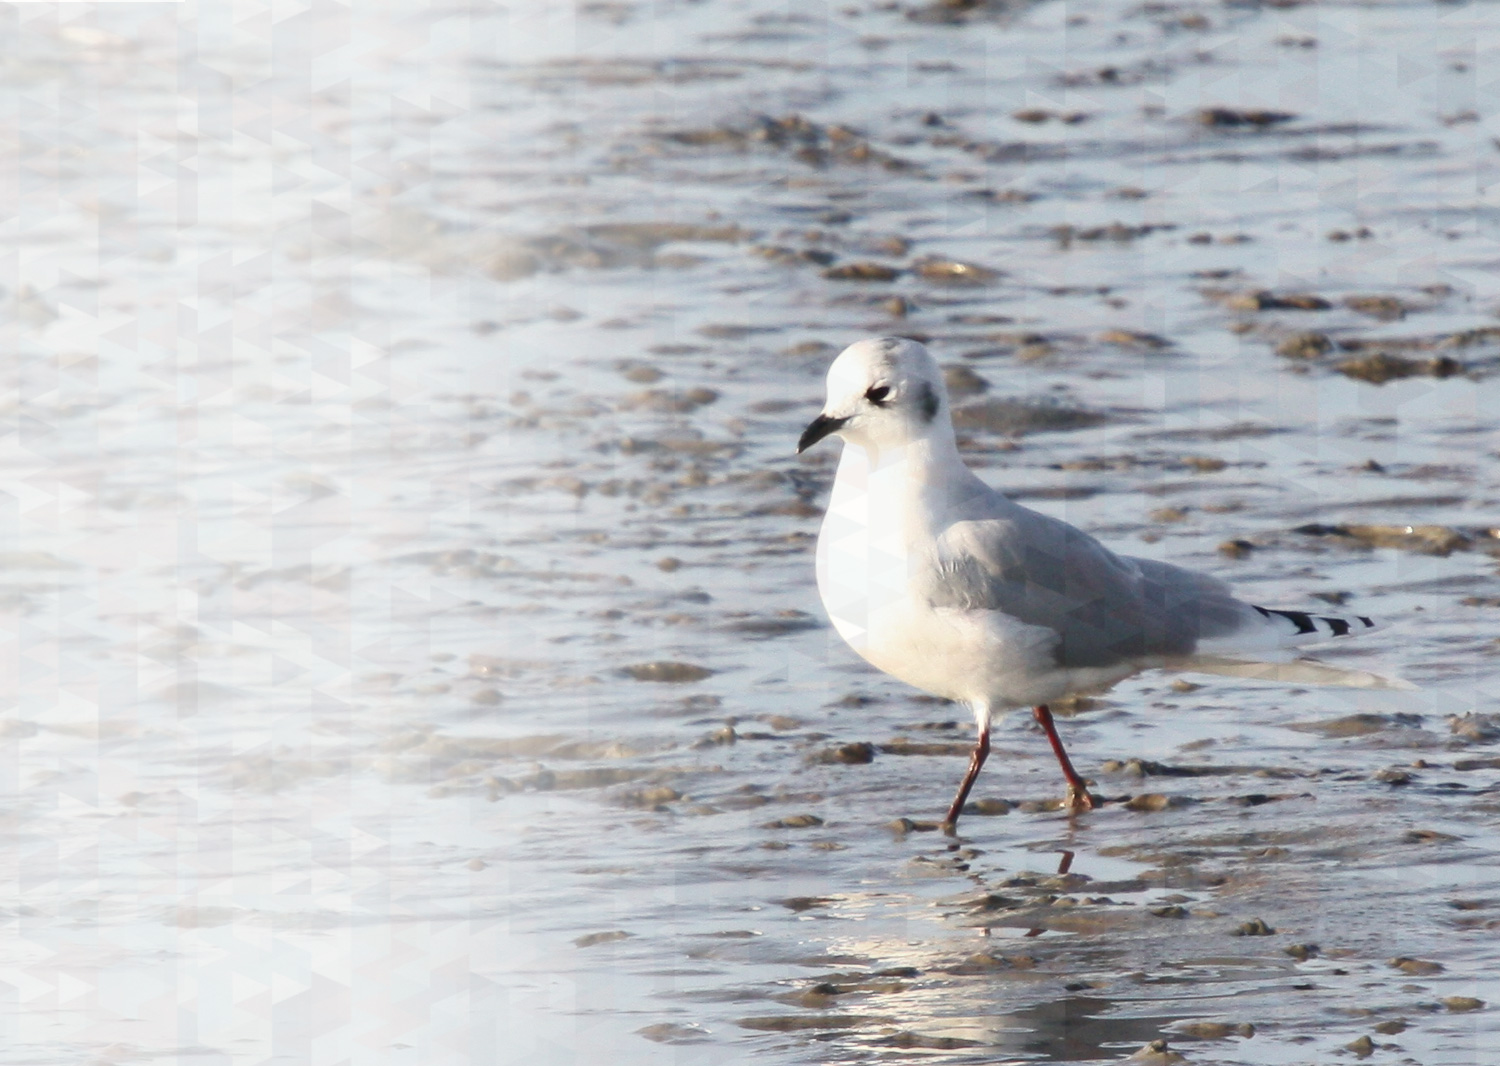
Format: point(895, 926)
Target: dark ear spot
point(927, 402)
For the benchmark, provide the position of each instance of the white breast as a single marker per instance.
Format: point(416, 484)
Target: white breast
point(862, 562)
point(865, 566)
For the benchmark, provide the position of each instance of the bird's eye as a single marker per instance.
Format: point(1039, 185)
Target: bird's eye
point(878, 393)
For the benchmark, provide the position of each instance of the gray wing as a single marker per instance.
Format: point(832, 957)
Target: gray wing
point(1105, 608)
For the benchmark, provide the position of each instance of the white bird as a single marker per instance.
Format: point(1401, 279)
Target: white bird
point(937, 579)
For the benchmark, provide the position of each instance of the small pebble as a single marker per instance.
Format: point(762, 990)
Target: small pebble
point(1156, 1053)
point(1475, 726)
point(854, 754)
point(794, 821)
point(1126, 338)
point(641, 373)
point(1381, 367)
point(1157, 801)
point(1261, 300)
point(1215, 1030)
point(1256, 927)
point(590, 939)
point(1231, 117)
point(668, 672)
point(1461, 1004)
point(955, 272)
point(651, 798)
point(1431, 836)
point(889, 245)
point(903, 826)
point(1415, 967)
point(1385, 308)
point(985, 961)
point(862, 271)
point(1304, 345)
point(720, 737)
point(798, 904)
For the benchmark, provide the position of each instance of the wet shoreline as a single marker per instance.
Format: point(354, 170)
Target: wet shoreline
point(416, 647)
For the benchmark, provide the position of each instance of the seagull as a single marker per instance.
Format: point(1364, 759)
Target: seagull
point(936, 579)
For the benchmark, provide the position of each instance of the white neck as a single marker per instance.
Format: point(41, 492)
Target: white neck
point(886, 481)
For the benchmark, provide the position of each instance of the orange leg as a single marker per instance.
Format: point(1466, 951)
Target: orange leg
point(1078, 790)
point(976, 760)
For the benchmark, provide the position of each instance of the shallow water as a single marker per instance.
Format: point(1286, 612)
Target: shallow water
point(393, 391)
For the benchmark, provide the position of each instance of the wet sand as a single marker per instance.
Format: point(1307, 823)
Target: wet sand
point(415, 642)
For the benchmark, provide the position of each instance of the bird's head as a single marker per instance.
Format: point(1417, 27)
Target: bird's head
point(882, 392)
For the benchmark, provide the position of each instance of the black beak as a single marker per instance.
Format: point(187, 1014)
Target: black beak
point(821, 427)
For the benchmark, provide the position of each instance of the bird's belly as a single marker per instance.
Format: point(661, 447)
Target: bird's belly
point(946, 653)
point(976, 657)
point(931, 652)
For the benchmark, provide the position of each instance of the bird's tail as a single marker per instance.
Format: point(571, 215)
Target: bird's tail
point(1295, 671)
point(1272, 633)
point(1304, 627)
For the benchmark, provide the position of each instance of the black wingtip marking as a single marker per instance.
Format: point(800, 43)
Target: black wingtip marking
point(1305, 623)
point(1301, 620)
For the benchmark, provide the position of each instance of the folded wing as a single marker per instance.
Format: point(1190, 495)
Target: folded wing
point(1107, 609)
